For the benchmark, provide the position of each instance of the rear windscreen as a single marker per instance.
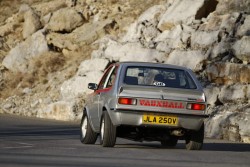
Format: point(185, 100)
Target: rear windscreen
point(160, 77)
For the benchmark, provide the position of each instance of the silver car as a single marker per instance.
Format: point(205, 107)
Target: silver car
point(145, 102)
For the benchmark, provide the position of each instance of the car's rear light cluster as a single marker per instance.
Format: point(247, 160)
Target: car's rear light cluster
point(127, 101)
point(196, 106)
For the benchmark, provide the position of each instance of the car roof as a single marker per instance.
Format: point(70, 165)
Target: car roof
point(150, 64)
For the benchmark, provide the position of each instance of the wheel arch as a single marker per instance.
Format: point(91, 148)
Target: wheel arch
point(114, 116)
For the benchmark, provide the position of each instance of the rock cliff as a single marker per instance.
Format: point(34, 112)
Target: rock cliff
point(50, 50)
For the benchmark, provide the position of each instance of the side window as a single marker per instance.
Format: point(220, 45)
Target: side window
point(111, 78)
point(104, 78)
point(108, 78)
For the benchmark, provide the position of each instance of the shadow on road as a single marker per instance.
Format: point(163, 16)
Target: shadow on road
point(36, 131)
point(234, 147)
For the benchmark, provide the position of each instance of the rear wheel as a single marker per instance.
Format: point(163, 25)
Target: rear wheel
point(194, 140)
point(107, 131)
point(87, 136)
point(169, 143)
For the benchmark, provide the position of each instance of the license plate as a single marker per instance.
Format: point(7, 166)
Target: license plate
point(160, 120)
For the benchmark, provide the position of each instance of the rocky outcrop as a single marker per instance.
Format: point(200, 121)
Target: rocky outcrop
point(190, 59)
point(241, 49)
point(233, 94)
point(31, 23)
point(203, 39)
point(115, 51)
point(46, 7)
point(227, 6)
point(228, 73)
point(90, 71)
point(229, 122)
point(85, 34)
point(244, 29)
point(179, 12)
point(18, 57)
point(65, 20)
point(176, 38)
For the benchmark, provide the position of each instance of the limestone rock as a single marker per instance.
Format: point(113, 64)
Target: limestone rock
point(212, 94)
point(92, 65)
point(65, 20)
point(18, 57)
point(132, 52)
point(24, 8)
point(203, 39)
point(241, 122)
point(31, 23)
point(90, 71)
point(61, 41)
point(244, 29)
point(150, 16)
point(215, 123)
point(164, 47)
point(148, 34)
point(171, 39)
point(78, 85)
point(235, 93)
point(228, 73)
point(88, 33)
point(85, 34)
point(241, 49)
point(186, 34)
point(47, 7)
point(45, 19)
point(230, 6)
point(229, 22)
point(133, 33)
point(180, 12)
point(190, 59)
point(224, 24)
point(153, 13)
point(230, 122)
point(221, 49)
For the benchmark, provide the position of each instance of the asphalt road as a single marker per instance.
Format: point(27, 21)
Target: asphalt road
point(38, 142)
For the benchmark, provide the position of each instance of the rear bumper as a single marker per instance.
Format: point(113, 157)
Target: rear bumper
point(134, 118)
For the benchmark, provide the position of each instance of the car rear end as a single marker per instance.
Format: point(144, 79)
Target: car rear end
point(161, 107)
point(173, 100)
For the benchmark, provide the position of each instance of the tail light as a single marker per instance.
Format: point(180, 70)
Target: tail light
point(196, 106)
point(127, 101)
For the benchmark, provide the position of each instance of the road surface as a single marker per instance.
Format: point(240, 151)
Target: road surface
point(38, 142)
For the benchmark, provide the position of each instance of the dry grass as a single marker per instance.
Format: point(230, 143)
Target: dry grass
point(13, 82)
point(38, 68)
point(41, 70)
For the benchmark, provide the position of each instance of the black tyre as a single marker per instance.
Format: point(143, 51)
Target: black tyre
point(169, 143)
point(194, 140)
point(107, 131)
point(87, 136)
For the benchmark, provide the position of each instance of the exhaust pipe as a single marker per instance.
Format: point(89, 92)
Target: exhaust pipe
point(177, 132)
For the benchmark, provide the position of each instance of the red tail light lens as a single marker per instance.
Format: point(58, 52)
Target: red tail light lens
point(196, 106)
point(127, 101)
